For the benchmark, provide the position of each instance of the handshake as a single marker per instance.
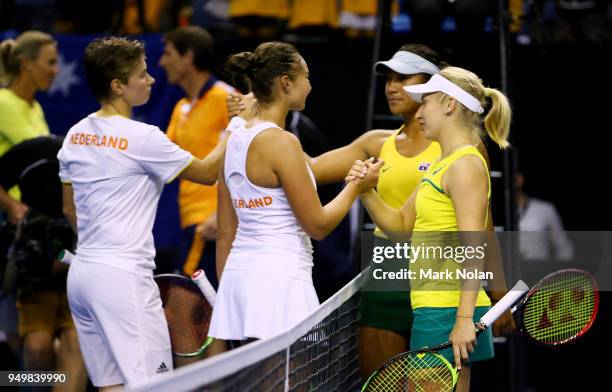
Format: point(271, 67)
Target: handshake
point(364, 174)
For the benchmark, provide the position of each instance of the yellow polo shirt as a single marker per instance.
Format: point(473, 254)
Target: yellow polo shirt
point(196, 127)
point(19, 120)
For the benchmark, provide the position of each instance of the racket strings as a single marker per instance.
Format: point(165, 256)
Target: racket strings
point(561, 309)
point(187, 313)
point(418, 372)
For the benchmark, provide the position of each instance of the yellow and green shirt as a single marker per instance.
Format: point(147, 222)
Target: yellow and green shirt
point(436, 226)
point(400, 175)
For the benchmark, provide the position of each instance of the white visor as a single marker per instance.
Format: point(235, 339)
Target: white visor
point(406, 63)
point(439, 83)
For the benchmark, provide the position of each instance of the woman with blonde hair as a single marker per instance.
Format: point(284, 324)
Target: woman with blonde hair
point(453, 196)
point(28, 64)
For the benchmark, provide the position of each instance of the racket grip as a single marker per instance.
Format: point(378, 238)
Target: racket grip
point(65, 256)
point(199, 278)
point(519, 289)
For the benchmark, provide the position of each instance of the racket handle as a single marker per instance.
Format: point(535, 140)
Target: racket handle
point(519, 289)
point(65, 256)
point(199, 278)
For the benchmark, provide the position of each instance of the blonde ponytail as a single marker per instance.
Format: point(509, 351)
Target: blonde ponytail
point(497, 121)
point(6, 47)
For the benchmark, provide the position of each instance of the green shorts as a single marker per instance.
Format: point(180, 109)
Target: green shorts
point(388, 310)
point(432, 326)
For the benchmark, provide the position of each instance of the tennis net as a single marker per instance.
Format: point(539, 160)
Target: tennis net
point(317, 354)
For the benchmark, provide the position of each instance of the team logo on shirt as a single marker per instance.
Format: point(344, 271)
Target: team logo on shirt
point(423, 166)
point(437, 170)
point(259, 202)
point(87, 139)
point(162, 368)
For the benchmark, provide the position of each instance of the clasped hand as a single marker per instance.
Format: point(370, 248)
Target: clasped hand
point(364, 174)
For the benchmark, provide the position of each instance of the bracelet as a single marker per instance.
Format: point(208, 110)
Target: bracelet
point(463, 316)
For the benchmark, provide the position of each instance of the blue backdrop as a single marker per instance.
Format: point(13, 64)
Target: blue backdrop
point(69, 100)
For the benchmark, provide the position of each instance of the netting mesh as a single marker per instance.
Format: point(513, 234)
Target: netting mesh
point(267, 375)
point(318, 354)
point(325, 358)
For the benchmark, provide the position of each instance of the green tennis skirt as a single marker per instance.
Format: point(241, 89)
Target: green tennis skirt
point(432, 326)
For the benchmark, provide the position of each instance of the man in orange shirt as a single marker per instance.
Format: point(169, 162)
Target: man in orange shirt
point(196, 125)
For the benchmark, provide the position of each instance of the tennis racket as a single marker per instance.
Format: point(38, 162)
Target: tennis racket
point(560, 308)
point(187, 305)
point(425, 370)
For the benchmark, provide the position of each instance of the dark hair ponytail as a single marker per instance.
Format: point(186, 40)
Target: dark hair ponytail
point(257, 71)
point(240, 66)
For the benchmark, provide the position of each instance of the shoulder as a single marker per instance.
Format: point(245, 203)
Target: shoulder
point(214, 102)
point(542, 205)
point(146, 133)
point(126, 127)
point(377, 135)
point(223, 89)
point(469, 162)
point(9, 102)
point(82, 125)
point(218, 93)
point(278, 143)
point(482, 149)
point(372, 141)
point(469, 168)
point(6, 95)
point(279, 136)
point(178, 105)
point(134, 125)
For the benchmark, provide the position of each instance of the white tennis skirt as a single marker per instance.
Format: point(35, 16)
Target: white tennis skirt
point(259, 304)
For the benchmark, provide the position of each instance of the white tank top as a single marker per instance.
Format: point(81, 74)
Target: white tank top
point(269, 236)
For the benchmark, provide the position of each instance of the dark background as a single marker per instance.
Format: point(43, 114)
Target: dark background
point(560, 136)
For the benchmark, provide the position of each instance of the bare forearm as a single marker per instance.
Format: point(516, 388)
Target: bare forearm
point(71, 217)
point(328, 170)
point(212, 160)
point(336, 210)
point(386, 218)
point(68, 206)
point(205, 171)
point(467, 303)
